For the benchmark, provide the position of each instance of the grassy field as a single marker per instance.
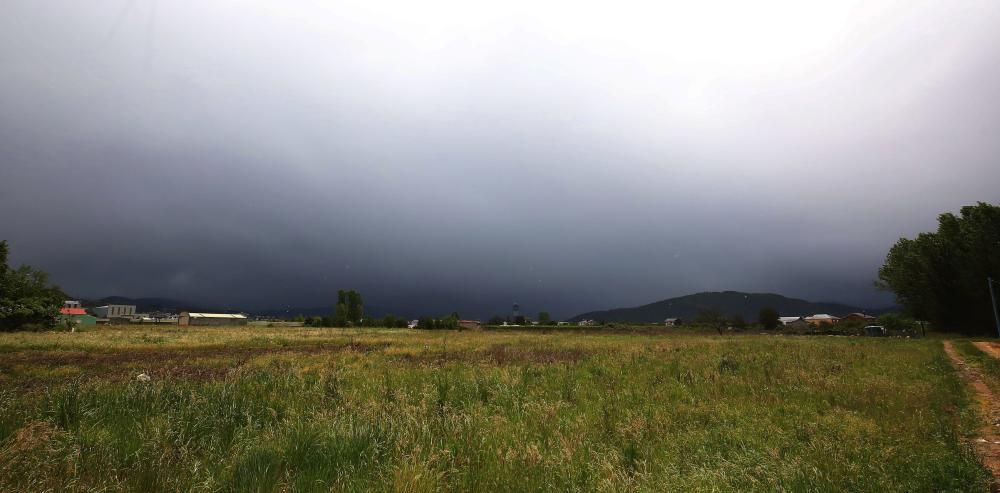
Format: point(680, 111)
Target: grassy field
point(291, 409)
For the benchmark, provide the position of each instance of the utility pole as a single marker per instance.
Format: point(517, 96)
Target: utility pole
point(993, 299)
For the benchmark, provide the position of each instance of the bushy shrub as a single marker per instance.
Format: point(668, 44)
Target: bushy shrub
point(894, 322)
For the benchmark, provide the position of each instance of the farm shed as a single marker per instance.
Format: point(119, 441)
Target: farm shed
point(199, 318)
point(78, 316)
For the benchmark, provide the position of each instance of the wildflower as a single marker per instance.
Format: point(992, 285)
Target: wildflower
point(142, 377)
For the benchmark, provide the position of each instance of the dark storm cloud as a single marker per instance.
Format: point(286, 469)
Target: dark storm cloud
point(569, 157)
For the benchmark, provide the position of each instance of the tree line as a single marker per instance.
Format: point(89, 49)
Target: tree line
point(941, 277)
point(349, 312)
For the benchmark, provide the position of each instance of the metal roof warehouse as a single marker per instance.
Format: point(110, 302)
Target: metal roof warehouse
point(201, 318)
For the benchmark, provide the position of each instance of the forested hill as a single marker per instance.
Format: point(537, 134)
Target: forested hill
point(726, 303)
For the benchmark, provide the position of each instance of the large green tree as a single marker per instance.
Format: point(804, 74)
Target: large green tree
point(26, 298)
point(768, 317)
point(349, 309)
point(355, 307)
point(941, 277)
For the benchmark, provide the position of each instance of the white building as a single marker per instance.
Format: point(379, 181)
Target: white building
point(822, 319)
point(793, 322)
point(115, 311)
point(198, 318)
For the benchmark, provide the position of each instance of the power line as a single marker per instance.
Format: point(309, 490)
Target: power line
point(993, 300)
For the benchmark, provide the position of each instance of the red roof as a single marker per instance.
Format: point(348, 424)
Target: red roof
point(73, 311)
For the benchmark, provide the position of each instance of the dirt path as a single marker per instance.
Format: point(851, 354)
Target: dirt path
point(990, 348)
point(987, 444)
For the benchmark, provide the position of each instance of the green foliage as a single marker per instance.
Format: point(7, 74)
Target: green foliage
point(941, 277)
point(339, 318)
point(348, 311)
point(446, 322)
point(355, 308)
point(769, 318)
point(896, 323)
point(26, 298)
point(389, 321)
point(709, 317)
point(544, 318)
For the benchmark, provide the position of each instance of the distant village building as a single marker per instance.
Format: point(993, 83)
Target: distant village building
point(794, 322)
point(115, 311)
point(821, 319)
point(155, 318)
point(587, 323)
point(671, 322)
point(857, 317)
point(193, 318)
point(72, 311)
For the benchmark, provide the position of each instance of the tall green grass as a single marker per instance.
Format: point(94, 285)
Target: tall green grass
point(495, 412)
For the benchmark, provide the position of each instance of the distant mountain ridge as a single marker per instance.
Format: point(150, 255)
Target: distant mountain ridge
point(727, 303)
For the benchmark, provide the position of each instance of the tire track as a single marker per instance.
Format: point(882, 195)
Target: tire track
point(990, 348)
point(987, 444)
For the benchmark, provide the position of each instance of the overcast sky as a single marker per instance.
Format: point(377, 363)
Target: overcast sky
point(444, 155)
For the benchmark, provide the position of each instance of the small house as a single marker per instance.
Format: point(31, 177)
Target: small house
point(74, 313)
point(672, 322)
point(821, 319)
point(858, 317)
